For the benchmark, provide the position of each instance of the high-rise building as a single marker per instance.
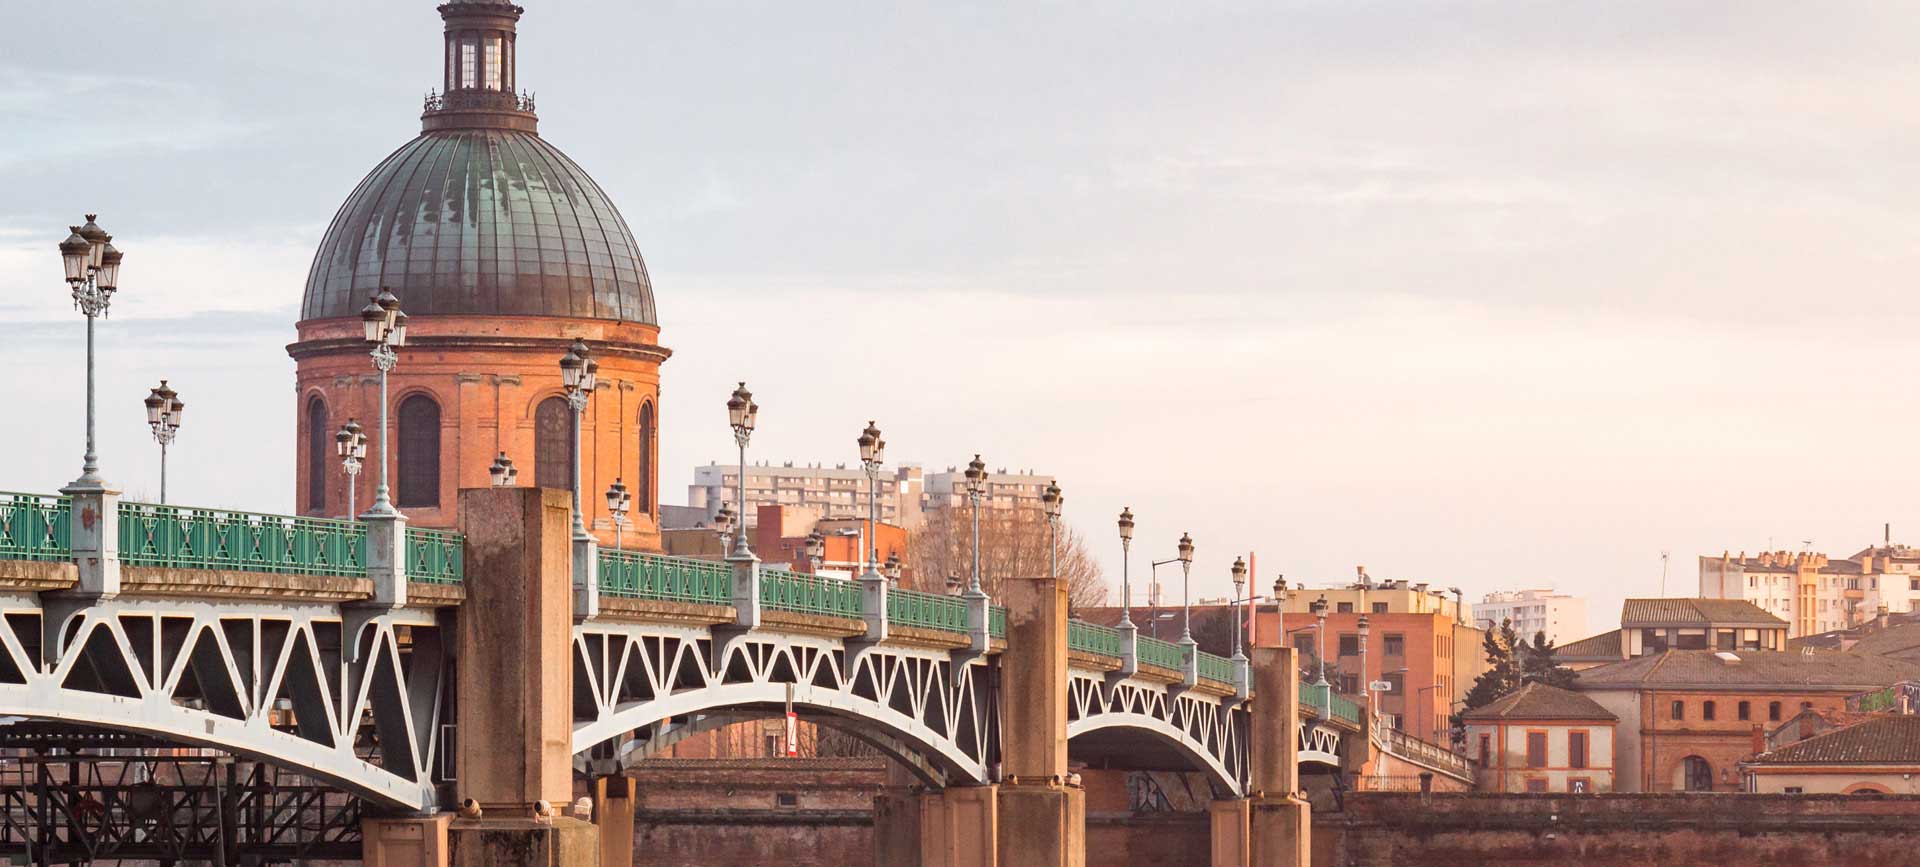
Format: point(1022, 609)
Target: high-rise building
point(1560, 617)
point(831, 492)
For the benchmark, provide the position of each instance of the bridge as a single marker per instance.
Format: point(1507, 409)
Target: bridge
point(427, 672)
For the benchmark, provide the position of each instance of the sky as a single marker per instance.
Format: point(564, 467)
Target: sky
point(1483, 294)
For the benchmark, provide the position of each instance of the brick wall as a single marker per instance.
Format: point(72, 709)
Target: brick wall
point(1376, 830)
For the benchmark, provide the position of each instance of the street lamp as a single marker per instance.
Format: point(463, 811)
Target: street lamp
point(1052, 501)
point(723, 524)
point(1126, 549)
point(579, 374)
point(1239, 585)
point(1366, 685)
point(93, 274)
point(1319, 609)
point(1186, 574)
point(816, 550)
point(503, 473)
point(619, 502)
point(163, 417)
point(387, 331)
point(741, 413)
point(350, 443)
point(976, 488)
point(873, 450)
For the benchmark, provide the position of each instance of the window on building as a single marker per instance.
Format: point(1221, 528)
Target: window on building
point(1379, 607)
point(1679, 710)
point(1579, 786)
point(493, 63)
point(1537, 787)
point(1396, 644)
point(1725, 639)
point(318, 441)
point(643, 491)
point(553, 444)
point(1349, 645)
point(1773, 711)
point(786, 799)
point(1486, 750)
point(1706, 710)
point(1536, 749)
point(1744, 711)
point(1396, 683)
point(1303, 642)
point(1576, 749)
point(419, 457)
point(1913, 583)
point(468, 52)
point(1344, 608)
point(1697, 775)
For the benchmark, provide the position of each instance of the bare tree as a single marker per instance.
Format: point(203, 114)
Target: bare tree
point(1013, 543)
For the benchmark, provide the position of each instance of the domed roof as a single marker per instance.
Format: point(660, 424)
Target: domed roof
point(480, 221)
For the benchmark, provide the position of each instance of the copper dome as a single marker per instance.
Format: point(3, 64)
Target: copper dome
point(480, 222)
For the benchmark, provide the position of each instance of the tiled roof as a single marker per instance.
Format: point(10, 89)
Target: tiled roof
point(1540, 701)
point(1892, 639)
point(1760, 669)
point(1606, 645)
point(1696, 612)
point(1880, 741)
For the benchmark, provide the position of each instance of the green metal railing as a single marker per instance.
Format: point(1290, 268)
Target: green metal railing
point(1153, 651)
point(637, 575)
point(36, 527)
point(435, 556)
point(926, 610)
point(1093, 638)
point(781, 590)
point(189, 538)
point(1216, 668)
point(996, 621)
point(1327, 703)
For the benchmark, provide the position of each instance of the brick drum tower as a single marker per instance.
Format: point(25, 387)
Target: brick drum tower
point(502, 252)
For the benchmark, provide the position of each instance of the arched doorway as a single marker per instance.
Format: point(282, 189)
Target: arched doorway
point(1696, 775)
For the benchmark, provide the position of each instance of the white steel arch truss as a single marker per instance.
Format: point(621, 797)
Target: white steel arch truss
point(354, 698)
point(629, 676)
point(1210, 731)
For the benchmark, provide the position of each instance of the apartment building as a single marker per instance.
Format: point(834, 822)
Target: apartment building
point(1813, 592)
point(1005, 490)
point(1649, 626)
point(1560, 617)
point(834, 492)
point(1419, 642)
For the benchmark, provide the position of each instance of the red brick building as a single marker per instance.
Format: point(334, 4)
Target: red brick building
point(1689, 717)
point(502, 252)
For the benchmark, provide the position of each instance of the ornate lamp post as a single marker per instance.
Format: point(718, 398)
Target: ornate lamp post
point(503, 473)
point(1186, 575)
point(579, 374)
point(976, 488)
point(93, 274)
point(1126, 551)
point(1319, 609)
point(741, 413)
point(1239, 585)
point(723, 524)
point(816, 550)
point(873, 451)
point(163, 417)
point(350, 443)
point(387, 330)
point(1366, 686)
point(619, 503)
point(1051, 500)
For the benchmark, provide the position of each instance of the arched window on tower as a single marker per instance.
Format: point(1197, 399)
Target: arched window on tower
point(319, 441)
point(643, 491)
point(553, 444)
point(419, 458)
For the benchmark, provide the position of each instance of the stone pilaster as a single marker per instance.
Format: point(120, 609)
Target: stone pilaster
point(1042, 819)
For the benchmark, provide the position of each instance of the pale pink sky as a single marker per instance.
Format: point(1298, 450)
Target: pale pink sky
point(1488, 294)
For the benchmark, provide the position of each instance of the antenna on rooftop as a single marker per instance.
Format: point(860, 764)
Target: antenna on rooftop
point(1663, 574)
